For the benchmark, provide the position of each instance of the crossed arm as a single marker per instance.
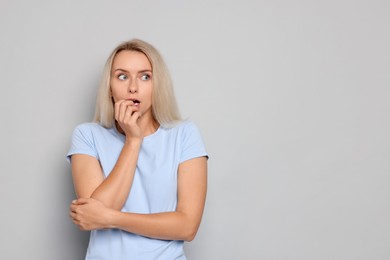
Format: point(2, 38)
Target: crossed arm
point(100, 200)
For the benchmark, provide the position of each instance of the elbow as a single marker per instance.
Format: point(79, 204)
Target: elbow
point(190, 233)
point(189, 238)
point(186, 226)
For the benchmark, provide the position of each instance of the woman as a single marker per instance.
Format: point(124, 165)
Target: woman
point(139, 172)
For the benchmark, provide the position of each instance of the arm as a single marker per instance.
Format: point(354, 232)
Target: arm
point(181, 224)
point(87, 174)
point(113, 191)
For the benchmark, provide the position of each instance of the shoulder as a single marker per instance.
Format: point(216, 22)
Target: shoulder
point(90, 130)
point(188, 131)
point(90, 127)
point(185, 126)
point(180, 129)
point(190, 127)
point(191, 141)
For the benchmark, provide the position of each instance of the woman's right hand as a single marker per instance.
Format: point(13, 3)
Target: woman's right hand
point(126, 114)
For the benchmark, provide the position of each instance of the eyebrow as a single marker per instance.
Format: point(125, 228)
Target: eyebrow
point(141, 71)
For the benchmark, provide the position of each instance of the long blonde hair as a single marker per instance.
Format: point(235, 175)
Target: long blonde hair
point(164, 106)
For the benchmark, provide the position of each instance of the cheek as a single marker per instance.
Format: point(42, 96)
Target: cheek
point(116, 93)
point(113, 97)
point(149, 97)
point(150, 91)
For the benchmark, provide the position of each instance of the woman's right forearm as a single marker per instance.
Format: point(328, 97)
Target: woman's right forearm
point(114, 190)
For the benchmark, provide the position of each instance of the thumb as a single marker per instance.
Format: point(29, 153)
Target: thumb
point(80, 201)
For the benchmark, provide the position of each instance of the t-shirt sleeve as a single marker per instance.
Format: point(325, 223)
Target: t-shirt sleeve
point(82, 142)
point(193, 145)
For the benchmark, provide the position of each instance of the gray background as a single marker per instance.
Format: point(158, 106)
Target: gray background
point(292, 99)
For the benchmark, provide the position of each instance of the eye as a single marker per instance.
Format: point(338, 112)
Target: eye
point(122, 77)
point(145, 77)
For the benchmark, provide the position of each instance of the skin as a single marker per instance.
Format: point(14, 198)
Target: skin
point(101, 199)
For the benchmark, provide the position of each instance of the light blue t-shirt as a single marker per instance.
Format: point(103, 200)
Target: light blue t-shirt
point(154, 187)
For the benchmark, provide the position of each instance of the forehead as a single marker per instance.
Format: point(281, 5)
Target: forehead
point(131, 60)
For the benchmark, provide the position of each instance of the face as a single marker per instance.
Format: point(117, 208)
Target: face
point(131, 79)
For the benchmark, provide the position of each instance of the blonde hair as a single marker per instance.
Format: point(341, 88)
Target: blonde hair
point(164, 106)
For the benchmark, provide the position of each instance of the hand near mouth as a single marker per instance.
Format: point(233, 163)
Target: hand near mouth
point(127, 114)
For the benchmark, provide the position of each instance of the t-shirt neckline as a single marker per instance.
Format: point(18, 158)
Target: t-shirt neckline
point(122, 136)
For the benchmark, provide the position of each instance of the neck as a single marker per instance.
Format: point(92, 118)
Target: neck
point(148, 125)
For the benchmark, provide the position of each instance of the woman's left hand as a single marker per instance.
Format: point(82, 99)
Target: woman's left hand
point(89, 214)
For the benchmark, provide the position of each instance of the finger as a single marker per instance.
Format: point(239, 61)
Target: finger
point(121, 110)
point(80, 201)
point(72, 215)
point(76, 222)
point(116, 109)
point(129, 113)
point(124, 106)
point(118, 105)
point(134, 117)
point(72, 208)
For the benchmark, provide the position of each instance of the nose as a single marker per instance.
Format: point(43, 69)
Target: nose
point(133, 87)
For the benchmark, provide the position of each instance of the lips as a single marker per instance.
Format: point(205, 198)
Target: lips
point(136, 101)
